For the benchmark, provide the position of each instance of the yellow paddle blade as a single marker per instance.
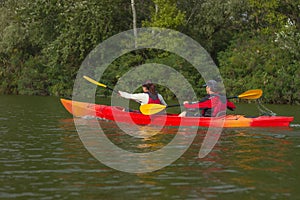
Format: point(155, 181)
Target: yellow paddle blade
point(93, 81)
point(251, 94)
point(150, 109)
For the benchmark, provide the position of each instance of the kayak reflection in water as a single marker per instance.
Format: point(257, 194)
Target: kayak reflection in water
point(212, 105)
point(149, 95)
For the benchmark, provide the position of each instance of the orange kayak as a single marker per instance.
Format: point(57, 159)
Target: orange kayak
point(118, 114)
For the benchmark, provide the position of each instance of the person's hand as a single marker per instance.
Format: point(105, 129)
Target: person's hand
point(185, 102)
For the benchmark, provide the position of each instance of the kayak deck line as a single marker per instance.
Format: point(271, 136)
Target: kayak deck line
point(119, 114)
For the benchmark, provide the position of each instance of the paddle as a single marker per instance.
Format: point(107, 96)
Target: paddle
point(99, 84)
point(250, 94)
point(150, 109)
point(102, 85)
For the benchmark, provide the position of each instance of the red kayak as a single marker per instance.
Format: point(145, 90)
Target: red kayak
point(118, 114)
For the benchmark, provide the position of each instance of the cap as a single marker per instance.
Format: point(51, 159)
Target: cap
point(147, 82)
point(212, 84)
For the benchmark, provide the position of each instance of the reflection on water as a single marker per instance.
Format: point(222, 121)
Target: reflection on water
point(242, 162)
point(43, 157)
point(124, 153)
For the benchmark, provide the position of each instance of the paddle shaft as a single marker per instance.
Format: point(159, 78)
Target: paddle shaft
point(235, 97)
point(175, 105)
point(103, 85)
point(99, 84)
point(112, 90)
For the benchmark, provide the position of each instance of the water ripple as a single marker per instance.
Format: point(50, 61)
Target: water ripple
point(295, 125)
point(226, 189)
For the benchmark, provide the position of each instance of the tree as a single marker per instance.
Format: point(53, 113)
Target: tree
point(266, 56)
point(52, 38)
point(214, 23)
point(165, 14)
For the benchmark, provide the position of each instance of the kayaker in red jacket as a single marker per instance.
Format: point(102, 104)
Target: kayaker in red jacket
point(149, 95)
point(212, 105)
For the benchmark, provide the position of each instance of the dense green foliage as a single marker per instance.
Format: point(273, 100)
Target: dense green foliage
point(266, 54)
point(256, 44)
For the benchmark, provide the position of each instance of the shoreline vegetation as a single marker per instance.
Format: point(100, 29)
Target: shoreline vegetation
point(255, 44)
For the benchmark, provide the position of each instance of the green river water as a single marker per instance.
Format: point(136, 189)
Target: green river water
point(42, 157)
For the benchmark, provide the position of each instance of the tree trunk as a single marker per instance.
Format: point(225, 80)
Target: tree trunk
point(134, 23)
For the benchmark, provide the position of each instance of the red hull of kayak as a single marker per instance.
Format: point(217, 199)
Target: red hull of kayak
point(118, 114)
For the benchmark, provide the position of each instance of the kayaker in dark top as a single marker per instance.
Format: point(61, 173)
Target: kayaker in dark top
point(212, 105)
point(150, 95)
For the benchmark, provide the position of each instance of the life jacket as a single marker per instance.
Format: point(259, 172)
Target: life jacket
point(213, 105)
point(153, 98)
point(219, 105)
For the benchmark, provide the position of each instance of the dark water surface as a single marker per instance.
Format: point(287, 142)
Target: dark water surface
point(42, 157)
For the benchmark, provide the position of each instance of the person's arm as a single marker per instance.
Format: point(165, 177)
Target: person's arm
point(140, 97)
point(204, 103)
point(162, 100)
point(200, 105)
